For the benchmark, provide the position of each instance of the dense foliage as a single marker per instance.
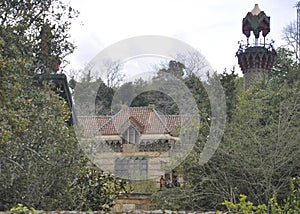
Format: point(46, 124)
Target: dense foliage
point(290, 205)
point(40, 160)
point(95, 190)
point(259, 151)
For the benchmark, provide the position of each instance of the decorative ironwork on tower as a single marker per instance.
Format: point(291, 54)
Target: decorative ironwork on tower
point(257, 59)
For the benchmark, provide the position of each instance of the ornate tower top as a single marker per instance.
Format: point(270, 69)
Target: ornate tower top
point(256, 21)
point(255, 60)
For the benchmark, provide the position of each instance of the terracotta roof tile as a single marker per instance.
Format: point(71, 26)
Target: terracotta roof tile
point(89, 126)
point(175, 122)
point(144, 117)
point(147, 119)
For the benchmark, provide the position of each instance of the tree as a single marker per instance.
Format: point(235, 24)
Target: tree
point(256, 157)
point(100, 192)
point(104, 99)
point(38, 150)
point(113, 76)
point(194, 63)
point(39, 153)
point(290, 35)
point(42, 27)
point(264, 140)
point(231, 86)
point(90, 88)
point(175, 68)
point(258, 153)
point(285, 68)
point(105, 78)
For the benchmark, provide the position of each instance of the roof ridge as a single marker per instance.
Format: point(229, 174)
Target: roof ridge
point(119, 112)
point(135, 121)
point(139, 107)
point(176, 115)
point(95, 116)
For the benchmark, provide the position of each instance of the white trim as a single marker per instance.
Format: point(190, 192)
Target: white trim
point(110, 137)
point(158, 137)
point(142, 137)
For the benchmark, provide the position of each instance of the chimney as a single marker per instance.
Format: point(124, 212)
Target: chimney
point(124, 107)
point(151, 106)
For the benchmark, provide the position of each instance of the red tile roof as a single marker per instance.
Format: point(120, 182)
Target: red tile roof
point(90, 125)
point(146, 119)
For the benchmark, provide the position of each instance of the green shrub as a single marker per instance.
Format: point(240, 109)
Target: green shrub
point(245, 207)
point(20, 208)
point(291, 205)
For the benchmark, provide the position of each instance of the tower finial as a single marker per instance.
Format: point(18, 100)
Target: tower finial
point(256, 10)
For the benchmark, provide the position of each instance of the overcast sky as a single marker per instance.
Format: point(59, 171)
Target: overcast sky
point(211, 26)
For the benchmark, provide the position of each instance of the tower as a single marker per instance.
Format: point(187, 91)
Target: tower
point(255, 60)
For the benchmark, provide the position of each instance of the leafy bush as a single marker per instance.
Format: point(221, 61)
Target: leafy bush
point(291, 205)
point(94, 190)
point(20, 208)
point(245, 207)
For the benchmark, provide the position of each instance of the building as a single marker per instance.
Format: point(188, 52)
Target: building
point(137, 143)
point(256, 60)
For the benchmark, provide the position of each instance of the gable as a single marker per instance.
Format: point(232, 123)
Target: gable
point(145, 120)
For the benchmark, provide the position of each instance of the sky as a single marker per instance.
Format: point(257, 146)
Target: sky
point(213, 27)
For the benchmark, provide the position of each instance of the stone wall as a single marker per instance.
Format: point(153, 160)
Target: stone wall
point(132, 201)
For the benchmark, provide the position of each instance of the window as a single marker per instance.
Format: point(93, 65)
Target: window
point(131, 136)
point(134, 168)
point(121, 167)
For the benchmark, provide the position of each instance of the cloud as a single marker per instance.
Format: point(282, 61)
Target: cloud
point(213, 27)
